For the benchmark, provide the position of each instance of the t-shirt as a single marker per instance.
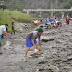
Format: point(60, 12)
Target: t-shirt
point(43, 19)
point(52, 19)
point(67, 19)
point(56, 22)
point(12, 22)
point(2, 28)
point(37, 28)
point(49, 23)
point(47, 20)
point(33, 35)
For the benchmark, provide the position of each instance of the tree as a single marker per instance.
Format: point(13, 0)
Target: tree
point(18, 8)
point(66, 6)
point(3, 7)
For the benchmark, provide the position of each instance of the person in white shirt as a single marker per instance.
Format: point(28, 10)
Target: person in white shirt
point(2, 31)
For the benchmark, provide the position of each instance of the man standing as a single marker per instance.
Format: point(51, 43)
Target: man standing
point(31, 40)
point(67, 20)
point(2, 31)
point(13, 26)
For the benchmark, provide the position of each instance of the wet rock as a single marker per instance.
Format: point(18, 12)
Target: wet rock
point(56, 55)
point(70, 59)
point(57, 60)
point(41, 69)
point(46, 40)
point(35, 55)
point(42, 62)
point(45, 70)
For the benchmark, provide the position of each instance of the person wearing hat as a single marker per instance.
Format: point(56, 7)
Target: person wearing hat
point(67, 20)
point(37, 28)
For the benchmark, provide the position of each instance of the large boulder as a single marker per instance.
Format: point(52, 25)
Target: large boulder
point(46, 38)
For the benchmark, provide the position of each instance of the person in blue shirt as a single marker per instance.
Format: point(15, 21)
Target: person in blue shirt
point(52, 19)
point(47, 20)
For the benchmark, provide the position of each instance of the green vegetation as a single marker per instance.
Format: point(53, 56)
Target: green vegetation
point(45, 4)
point(7, 16)
point(25, 4)
point(18, 8)
point(66, 4)
point(19, 5)
point(2, 7)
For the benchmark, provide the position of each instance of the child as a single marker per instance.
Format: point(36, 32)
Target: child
point(31, 40)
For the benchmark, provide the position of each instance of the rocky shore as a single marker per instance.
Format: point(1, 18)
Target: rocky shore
point(55, 49)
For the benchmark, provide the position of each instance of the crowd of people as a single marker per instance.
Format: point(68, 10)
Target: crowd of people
point(48, 23)
point(38, 30)
point(36, 33)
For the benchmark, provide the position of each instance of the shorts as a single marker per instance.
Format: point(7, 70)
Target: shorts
point(0, 38)
point(67, 22)
point(29, 42)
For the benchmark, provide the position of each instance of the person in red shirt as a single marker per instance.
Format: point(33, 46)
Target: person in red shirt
point(13, 26)
point(67, 20)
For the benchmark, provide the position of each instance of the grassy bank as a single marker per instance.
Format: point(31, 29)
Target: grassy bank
point(7, 16)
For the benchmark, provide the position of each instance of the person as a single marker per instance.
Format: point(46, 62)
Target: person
point(2, 36)
point(2, 31)
point(44, 21)
point(53, 20)
point(58, 18)
point(13, 26)
point(50, 20)
point(26, 26)
point(55, 25)
point(37, 28)
point(46, 26)
point(35, 23)
point(40, 21)
point(71, 18)
point(56, 21)
point(31, 40)
point(67, 20)
point(47, 20)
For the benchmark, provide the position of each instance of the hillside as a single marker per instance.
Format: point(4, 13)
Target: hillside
point(7, 16)
point(37, 3)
